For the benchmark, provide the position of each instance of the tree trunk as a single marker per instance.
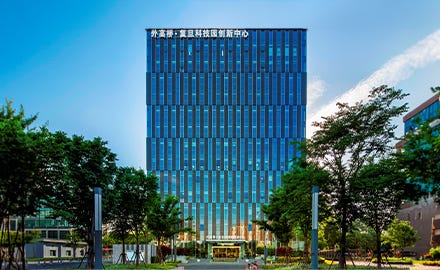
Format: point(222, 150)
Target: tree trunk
point(22, 251)
point(2, 226)
point(136, 232)
point(343, 240)
point(90, 257)
point(307, 247)
point(124, 255)
point(90, 250)
point(287, 254)
point(378, 246)
point(159, 249)
point(378, 250)
point(11, 246)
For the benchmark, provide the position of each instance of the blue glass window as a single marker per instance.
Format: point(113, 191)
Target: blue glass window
point(193, 90)
point(149, 121)
point(173, 121)
point(169, 154)
point(190, 57)
point(222, 187)
point(238, 122)
point(254, 121)
point(246, 186)
point(214, 57)
point(153, 90)
point(238, 184)
point(190, 122)
point(214, 188)
point(197, 123)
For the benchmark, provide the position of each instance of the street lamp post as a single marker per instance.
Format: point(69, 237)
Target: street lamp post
point(98, 227)
point(315, 191)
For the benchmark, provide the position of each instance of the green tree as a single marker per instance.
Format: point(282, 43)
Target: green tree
point(25, 176)
point(346, 141)
point(164, 221)
point(381, 190)
point(109, 239)
point(399, 235)
point(133, 194)
point(296, 188)
point(86, 164)
point(298, 183)
point(277, 221)
point(329, 231)
point(361, 237)
point(265, 226)
point(122, 208)
point(146, 195)
point(74, 241)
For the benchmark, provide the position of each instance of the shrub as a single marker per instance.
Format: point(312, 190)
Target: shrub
point(394, 260)
point(433, 263)
point(435, 253)
point(282, 251)
point(270, 250)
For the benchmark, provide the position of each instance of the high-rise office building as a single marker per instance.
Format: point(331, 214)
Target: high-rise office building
point(223, 106)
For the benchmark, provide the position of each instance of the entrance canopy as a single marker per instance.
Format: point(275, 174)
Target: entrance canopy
point(225, 248)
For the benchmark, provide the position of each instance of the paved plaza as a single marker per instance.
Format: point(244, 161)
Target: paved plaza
point(208, 264)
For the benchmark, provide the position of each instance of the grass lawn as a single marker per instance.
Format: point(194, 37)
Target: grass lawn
point(141, 266)
point(326, 266)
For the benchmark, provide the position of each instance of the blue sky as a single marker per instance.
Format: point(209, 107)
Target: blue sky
point(80, 65)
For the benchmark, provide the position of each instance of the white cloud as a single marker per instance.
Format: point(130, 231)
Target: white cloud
point(315, 89)
point(395, 70)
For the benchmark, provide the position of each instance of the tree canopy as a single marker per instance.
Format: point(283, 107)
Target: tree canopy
point(133, 194)
point(347, 141)
point(51, 169)
point(164, 220)
point(86, 164)
point(296, 188)
point(381, 190)
point(25, 174)
point(400, 234)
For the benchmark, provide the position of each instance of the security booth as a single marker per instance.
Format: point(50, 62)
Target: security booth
point(226, 248)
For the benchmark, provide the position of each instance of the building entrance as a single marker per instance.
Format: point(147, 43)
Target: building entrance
point(225, 249)
point(222, 252)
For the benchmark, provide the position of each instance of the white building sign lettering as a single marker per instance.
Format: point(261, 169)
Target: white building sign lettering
point(199, 33)
point(161, 33)
point(224, 237)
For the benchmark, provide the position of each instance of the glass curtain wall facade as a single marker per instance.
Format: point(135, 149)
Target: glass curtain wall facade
point(222, 107)
point(425, 112)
